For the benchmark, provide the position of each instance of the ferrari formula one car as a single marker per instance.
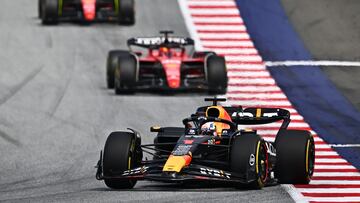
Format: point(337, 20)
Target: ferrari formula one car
point(167, 64)
point(211, 148)
point(53, 11)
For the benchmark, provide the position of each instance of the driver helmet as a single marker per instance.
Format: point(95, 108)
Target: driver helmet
point(164, 50)
point(209, 128)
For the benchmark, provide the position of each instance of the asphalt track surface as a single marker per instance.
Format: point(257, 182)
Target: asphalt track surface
point(56, 111)
point(330, 30)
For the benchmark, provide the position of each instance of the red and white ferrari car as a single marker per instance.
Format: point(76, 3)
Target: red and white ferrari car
point(53, 11)
point(168, 63)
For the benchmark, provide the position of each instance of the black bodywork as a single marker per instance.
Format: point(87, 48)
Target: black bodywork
point(210, 154)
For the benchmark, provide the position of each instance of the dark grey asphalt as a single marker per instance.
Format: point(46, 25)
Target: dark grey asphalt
point(55, 111)
point(330, 29)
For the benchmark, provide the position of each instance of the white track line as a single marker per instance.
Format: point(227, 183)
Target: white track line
point(189, 23)
point(344, 145)
point(211, 3)
point(312, 63)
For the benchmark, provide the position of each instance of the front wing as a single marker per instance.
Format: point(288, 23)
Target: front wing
point(193, 172)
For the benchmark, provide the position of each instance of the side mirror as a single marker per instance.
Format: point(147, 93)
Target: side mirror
point(155, 129)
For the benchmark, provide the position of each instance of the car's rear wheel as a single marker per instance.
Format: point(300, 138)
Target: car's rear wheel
point(249, 156)
point(216, 74)
point(49, 11)
point(111, 63)
point(295, 156)
point(125, 74)
point(126, 11)
point(119, 155)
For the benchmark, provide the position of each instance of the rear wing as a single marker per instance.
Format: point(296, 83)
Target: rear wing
point(258, 116)
point(254, 116)
point(155, 42)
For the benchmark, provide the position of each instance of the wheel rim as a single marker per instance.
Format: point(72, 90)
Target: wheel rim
point(262, 163)
point(310, 157)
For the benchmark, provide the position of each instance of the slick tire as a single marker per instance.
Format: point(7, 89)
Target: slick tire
point(126, 12)
point(295, 156)
point(216, 74)
point(249, 156)
point(48, 9)
point(39, 9)
point(111, 63)
point(119, 156)
point(125, 74)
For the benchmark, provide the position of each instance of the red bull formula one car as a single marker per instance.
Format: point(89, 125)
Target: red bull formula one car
point(165, 63)
point(53, 11)
point(211, 147)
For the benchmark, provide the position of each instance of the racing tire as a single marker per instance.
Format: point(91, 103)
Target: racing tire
point(295, 156)
point(111, 63)
point(126, 12)
point(125, 74)
point(119, 156)
point(39, 9)
point(48, 9)
point(216, 74)
point(249, 156)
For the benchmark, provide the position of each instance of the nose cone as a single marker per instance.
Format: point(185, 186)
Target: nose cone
point(176, 163)
point(172, 71)
point(89, 9)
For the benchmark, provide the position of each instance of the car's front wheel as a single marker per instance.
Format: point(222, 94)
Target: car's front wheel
point(119, 155)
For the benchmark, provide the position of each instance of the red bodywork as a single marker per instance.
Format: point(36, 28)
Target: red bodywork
point(89, 8)
point(171, 60)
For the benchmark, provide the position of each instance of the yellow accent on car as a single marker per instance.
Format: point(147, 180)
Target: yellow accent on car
point(257, 158)
point(116, 5)
point(248, 130)
point(174, 164)
point(307, 156)
point(261, 184)
point(258, 112)
point(60, 6)
point(129, 163)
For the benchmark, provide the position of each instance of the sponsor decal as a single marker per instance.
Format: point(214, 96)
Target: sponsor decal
point(214, 172)
point(181, 150)
point(252, 159)
point(136, 171)
point(159, 40)
point(248, 114)
point(191, 132)
point(195, 136)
